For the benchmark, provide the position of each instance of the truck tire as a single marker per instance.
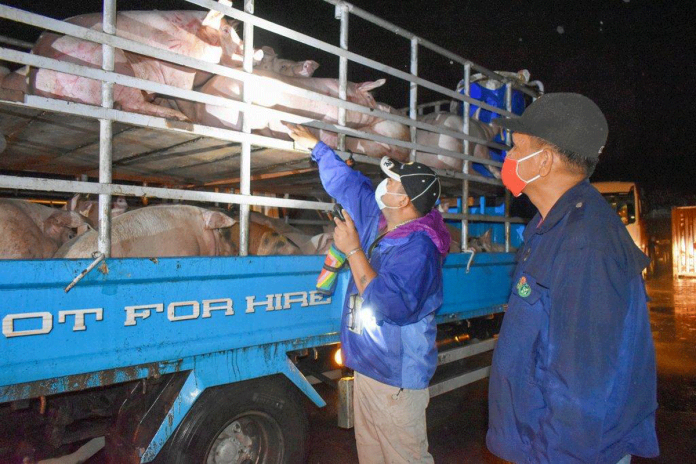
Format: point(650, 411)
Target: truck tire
point(256, 421)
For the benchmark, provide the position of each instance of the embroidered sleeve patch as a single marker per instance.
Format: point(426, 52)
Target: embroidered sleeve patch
point(523, 288)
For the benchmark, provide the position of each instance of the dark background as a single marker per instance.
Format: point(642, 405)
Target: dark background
point(634, 58)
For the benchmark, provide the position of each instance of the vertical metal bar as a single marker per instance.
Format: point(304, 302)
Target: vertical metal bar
point(465, 169)
point(341, 13)
point(413, 94)
point(245, 165)
point(106, 132)
point(508, 197)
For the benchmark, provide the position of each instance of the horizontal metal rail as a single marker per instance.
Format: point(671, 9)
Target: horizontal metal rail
point(459, 381)
point(73, 186)
point(81, 109)
point(429, 45)
point(448, 356)
point(440, 172)
point(16, 43)
point(308, 40)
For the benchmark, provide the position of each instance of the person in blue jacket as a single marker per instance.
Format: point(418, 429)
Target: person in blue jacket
point(395, 243)
point(573, 377)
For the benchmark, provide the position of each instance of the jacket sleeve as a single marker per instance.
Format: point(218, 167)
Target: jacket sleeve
point(349, 187)
point(588, 307)
point(408, 286)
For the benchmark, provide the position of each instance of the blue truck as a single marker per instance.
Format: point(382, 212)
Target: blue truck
point(202, 359)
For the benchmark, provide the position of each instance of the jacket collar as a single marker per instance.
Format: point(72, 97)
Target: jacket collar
point(558, 211)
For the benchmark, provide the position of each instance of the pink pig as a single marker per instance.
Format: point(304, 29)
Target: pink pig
point(271, 62)
point(191, 33)
point(158, 231)
point(32, 231)
point(454, 122)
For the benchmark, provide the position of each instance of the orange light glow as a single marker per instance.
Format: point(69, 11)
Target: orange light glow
point(338, 357)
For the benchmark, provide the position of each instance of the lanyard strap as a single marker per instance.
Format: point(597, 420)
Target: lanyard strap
point(374, 244)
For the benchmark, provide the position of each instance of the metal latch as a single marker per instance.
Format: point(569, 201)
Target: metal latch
point(98, 257)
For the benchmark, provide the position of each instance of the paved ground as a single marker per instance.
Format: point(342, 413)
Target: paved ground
point(457, 420)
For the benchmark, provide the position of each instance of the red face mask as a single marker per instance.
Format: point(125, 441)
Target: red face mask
point(511, 178)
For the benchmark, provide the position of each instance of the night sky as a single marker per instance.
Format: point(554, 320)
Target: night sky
point(634, 58)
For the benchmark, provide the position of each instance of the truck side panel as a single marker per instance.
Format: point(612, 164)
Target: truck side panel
point(137, 318)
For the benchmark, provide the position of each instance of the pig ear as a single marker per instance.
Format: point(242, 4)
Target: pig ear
point(71, 205)
point(487, 235)
point(217, 220)
point(61, 220)
point(85, 212)
point(371, 85)
point(308, 68)
point(258, 55)
point(213, 18)
point(268, 52)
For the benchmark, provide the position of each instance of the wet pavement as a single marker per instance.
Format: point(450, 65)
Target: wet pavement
point(457, 420)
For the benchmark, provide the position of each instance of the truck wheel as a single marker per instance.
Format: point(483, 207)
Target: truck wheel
point(257, 421)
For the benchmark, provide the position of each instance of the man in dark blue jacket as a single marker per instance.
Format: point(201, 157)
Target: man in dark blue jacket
point(573, 376)
point(395, 243)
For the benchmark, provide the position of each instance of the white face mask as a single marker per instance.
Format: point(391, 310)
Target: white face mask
point(381, 191)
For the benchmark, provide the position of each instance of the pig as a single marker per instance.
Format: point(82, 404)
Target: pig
point(385, 128)
point(160, 231)
point(179, 230)
point(32, 231)
point(294, 235)
point(322, 243)
point(264, 241)
point(266, 94)
point(191, 33)
point(484, 244)
point(90, 208)
point(453, 122)
point(305, 243)
point(480, 244)
point(271, 62)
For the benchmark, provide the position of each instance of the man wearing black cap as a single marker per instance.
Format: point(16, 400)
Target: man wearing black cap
point(395, 243)
point(573, 376)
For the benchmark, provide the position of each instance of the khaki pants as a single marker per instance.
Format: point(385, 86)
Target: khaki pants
point(390, 423)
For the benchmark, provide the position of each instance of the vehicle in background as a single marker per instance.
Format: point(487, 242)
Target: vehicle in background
point(625, 199)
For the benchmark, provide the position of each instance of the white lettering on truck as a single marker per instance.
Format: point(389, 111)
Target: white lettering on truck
point(8, 322)
point(41, 323)
point(141, 312)
point(80, 317)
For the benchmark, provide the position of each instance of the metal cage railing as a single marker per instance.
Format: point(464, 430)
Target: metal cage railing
point(107, 115)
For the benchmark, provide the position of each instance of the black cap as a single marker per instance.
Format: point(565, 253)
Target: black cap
point(570, 121)
point(420, 183)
